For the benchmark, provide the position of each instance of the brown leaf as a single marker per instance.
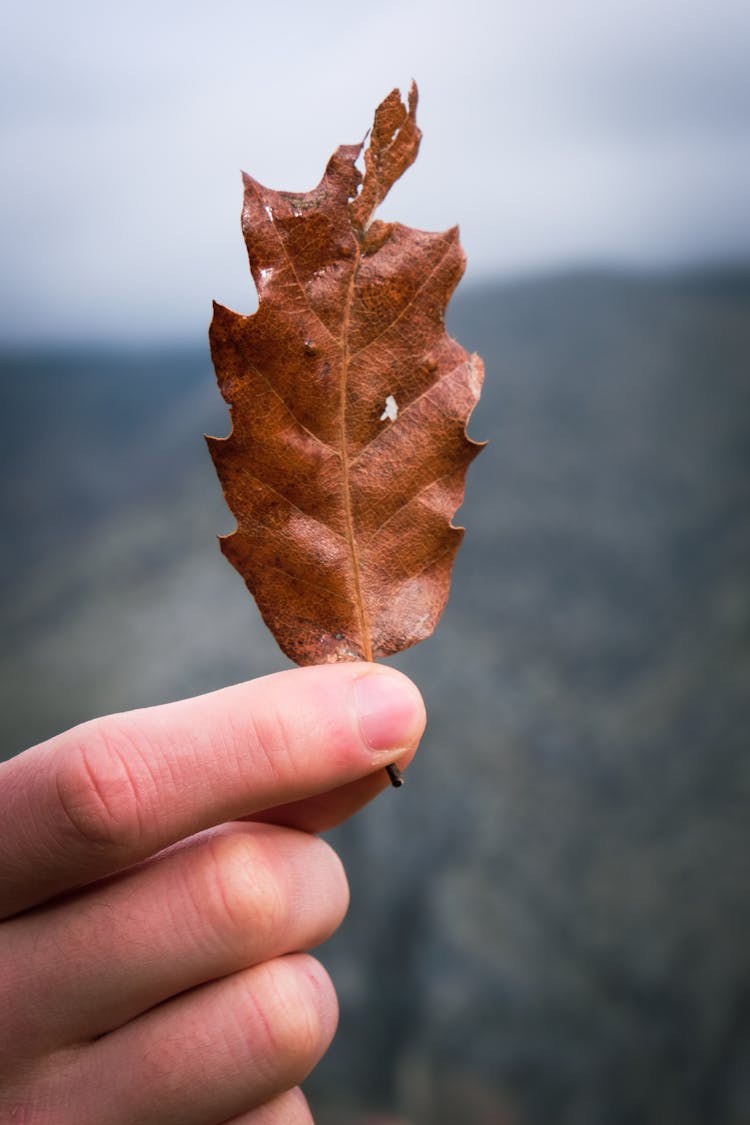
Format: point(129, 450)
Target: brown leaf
point(349, 404)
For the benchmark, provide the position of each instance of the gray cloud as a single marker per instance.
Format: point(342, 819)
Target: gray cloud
point(554, 134)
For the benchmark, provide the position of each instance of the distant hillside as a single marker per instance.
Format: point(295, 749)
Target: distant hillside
point(550, 922)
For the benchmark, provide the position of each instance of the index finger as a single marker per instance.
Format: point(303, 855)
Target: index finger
point(111, 792)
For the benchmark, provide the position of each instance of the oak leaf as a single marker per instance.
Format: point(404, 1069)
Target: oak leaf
point(349, 403)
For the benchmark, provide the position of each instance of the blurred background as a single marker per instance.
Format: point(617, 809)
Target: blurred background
point(551, 921)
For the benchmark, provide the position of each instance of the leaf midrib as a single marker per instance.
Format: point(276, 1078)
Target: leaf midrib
point(364, 625)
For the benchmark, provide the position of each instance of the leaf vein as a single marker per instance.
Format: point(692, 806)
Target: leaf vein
point(403, 412)
point(275, 391)
point(291, 503)
point(402, 312)
point(296, 276)
point(307, 582)
point(415, 496)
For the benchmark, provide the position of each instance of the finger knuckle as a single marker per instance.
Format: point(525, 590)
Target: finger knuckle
point(298, 1013)
point(273, 744)
point(99, 786)
point(240, 893)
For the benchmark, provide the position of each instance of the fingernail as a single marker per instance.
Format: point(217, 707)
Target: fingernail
point(388, 708)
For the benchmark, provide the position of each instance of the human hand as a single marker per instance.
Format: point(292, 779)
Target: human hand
point(158, 878)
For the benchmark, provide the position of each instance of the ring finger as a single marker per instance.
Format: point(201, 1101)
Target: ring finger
point(215, 1053)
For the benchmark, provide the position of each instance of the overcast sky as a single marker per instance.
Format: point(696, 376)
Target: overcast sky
point(555, 133)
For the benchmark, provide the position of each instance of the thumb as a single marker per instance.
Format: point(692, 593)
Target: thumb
point(115, 790)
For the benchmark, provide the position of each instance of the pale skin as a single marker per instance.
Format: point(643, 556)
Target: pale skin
point(160, 880)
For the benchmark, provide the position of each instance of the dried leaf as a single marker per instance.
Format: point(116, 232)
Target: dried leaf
point(349, 405)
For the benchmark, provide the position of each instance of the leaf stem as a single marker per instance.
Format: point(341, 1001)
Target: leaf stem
point(394, 773)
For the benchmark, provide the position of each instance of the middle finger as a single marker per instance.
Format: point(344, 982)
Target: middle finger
point(222, 902)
